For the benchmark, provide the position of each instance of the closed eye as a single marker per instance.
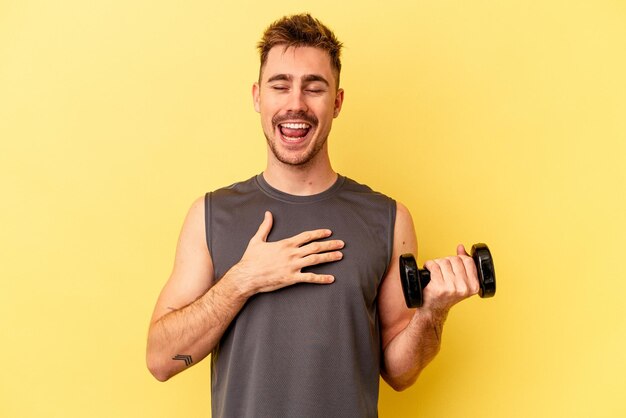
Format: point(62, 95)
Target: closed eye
point(315, 91)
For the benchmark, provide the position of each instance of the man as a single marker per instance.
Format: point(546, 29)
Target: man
point(303, 313)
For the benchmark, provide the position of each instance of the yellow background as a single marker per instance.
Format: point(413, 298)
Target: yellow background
point(502, 122)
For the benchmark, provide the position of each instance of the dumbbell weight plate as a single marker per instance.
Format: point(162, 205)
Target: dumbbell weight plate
point(410, 278)
point(485, 268)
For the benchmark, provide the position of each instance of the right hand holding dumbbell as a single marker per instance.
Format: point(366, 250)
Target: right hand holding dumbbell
point(455, 278)
point(452, 279)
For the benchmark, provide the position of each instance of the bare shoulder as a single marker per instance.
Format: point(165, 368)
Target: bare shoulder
point(196, 211)
point(192, 273)
point(404, 228)
point(195, 219)
point(192, 239)
point(394, 315)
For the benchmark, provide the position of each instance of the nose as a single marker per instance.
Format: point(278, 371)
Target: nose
point(297, 101)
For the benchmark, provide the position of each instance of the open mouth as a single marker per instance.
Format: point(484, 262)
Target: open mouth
point(292, 131)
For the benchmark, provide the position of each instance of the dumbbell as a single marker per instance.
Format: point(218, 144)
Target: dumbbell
point(414, 280)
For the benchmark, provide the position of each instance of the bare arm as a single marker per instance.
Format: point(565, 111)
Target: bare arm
point(411, 338)
point(193, 312)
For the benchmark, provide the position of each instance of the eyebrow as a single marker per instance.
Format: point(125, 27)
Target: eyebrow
point(307, 78)
point(315, 77)
point(279, 77)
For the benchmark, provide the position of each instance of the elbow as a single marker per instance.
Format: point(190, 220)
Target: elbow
point(400, 381)
point(159, 375)
point(157, 369)
point(400, 385)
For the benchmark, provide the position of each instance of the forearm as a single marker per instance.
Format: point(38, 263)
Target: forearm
point(192, 332)
point(412, 349)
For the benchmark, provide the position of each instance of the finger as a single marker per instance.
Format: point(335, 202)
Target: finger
point(321, 247)
point(308, 236)
point(314, 259)
point(472, 274)
point(460, 250)
point(448, 283)
point(446, 269)
point(461, 282)
point(265, 227)
point(434, 269)
point(458, 267)
point(315, 278)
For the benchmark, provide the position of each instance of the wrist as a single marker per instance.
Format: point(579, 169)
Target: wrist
point(437, 315)
point(434, 320)
point(239, 286)
point(430, 317)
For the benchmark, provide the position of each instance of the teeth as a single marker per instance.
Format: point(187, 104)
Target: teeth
point(295, 125)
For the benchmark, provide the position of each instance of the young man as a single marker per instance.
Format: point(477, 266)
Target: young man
point(303, 313)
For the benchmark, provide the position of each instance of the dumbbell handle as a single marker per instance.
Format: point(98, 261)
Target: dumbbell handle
point(414, 280)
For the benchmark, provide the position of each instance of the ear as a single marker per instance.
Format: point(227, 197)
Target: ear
point(256, 97)
point(338, 102)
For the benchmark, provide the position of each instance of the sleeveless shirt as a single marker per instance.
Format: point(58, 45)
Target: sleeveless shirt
point(306, 350)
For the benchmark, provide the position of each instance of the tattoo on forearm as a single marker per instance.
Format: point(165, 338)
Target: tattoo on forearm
point(184, 357)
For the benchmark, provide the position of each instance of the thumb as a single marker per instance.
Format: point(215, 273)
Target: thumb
point(265, 227)
point(460, 250)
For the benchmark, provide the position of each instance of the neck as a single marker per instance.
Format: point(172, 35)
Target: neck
point(300, 180)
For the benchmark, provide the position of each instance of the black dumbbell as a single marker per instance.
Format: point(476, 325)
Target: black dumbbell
point(415, 280)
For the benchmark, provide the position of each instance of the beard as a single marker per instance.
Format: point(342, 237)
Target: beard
point(301, 159)
point(290, 158)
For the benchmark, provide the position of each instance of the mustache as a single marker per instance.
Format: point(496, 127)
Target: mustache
point(311, 119)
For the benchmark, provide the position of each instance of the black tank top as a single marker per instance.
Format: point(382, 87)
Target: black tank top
point(306, 350)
